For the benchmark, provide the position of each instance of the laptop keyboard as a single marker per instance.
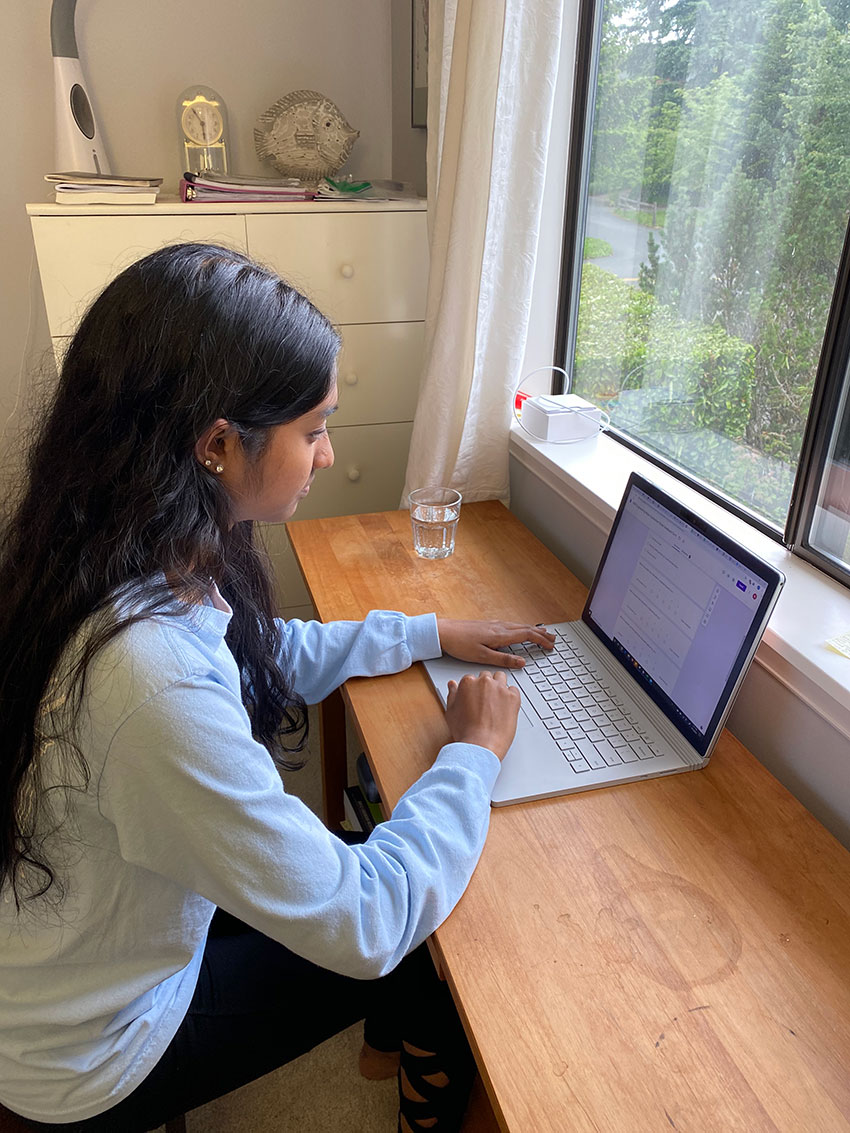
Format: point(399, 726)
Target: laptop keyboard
point(590, 722)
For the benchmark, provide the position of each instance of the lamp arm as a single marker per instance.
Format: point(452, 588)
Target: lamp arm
point(63, 41)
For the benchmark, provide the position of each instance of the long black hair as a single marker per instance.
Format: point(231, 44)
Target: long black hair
point(114, 496)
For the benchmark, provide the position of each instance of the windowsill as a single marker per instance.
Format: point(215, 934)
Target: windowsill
point(811, 609)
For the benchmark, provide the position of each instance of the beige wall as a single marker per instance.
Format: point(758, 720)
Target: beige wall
point(27, 94)
point(137, 59)
point(408, 143)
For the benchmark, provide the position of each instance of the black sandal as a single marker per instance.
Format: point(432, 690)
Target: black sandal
point(443, 1106)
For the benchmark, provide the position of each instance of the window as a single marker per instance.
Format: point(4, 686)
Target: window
point(704, 250)
point(831, 527)
point(820, 523)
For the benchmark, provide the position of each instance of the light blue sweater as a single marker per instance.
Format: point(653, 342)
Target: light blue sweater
point(184, 811)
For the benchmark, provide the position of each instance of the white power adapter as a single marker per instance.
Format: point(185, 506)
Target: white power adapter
point(560, 417)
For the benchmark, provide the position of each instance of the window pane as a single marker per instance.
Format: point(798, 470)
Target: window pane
point(716, 211)
point(831, 524)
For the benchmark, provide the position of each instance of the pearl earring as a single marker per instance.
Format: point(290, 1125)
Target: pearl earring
point(219, 468)
point(208, 464)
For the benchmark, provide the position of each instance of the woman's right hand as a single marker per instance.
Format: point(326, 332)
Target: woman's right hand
point(483, 709)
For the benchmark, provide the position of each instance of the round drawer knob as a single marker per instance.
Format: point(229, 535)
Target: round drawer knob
point(353, 473)
point(351, 378)
point(347, 271)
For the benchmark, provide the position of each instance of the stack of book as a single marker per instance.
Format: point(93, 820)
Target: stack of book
point(78, 188)
point(210, 187)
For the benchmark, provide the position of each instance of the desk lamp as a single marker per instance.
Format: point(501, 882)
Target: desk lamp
point(78, 145)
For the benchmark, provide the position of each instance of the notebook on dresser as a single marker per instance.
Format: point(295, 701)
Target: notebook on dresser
point(641, 685)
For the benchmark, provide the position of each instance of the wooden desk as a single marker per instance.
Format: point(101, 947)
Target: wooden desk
point(673, 954)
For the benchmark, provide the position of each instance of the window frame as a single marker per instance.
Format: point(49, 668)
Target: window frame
point(833, 365)
point(833, 373)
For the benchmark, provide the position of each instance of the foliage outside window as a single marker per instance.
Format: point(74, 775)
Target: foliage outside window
point(719, 175)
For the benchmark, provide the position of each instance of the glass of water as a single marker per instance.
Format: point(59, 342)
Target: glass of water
point(433, 515)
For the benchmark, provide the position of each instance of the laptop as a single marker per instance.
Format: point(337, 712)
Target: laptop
point(642, 685)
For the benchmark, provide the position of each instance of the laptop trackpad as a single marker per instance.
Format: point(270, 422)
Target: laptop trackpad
point(534, 767)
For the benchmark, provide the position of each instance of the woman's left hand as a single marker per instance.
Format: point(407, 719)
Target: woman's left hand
point(480, 642)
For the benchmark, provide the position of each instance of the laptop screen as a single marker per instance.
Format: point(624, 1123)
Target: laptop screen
point(681, 606)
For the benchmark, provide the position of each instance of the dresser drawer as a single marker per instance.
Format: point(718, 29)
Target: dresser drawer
point(379, 368)
point(367, 475)
point(79, 255)
point(356, 267)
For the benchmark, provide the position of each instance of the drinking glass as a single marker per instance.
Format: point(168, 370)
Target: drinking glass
point(434, 514)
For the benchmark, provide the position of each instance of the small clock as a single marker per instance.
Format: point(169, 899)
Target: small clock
point(202, 124)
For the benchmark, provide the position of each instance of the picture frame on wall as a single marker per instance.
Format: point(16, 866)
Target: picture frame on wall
point(419, 64)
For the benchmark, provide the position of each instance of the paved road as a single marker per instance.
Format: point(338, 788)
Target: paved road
point(628, 239)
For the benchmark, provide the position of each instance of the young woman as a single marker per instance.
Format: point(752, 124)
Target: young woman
point(149, 698)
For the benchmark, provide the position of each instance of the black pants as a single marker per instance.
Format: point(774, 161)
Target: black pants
point(258, 1006)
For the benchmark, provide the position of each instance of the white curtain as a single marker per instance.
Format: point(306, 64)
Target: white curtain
point(491, 83)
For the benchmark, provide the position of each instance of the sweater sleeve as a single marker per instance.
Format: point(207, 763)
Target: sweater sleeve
point(321, 657)
point(195, 799)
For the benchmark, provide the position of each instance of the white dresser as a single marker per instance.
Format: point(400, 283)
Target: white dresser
point(364, 265)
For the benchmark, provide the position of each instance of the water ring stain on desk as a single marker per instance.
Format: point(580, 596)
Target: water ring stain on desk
point(693, 941)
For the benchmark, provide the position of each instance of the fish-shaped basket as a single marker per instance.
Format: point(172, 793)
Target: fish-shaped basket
point(304, 135)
